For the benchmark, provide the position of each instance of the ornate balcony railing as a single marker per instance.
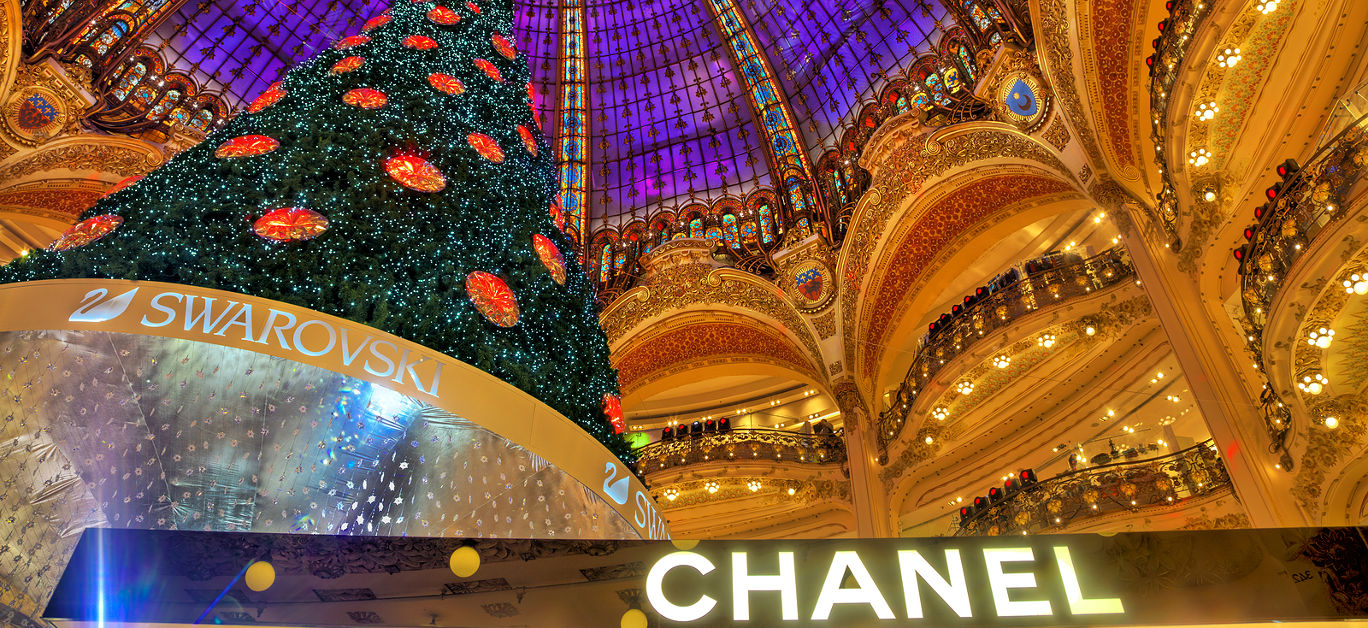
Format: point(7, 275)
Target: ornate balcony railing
point(1308, 202)
point(1174, 37)
point(742, 444)
point(1123, 487)
point(1000, 309)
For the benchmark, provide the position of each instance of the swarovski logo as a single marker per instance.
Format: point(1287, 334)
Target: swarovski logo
point(615, 490)
point(94, 309)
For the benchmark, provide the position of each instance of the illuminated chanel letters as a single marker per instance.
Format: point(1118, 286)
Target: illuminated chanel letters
point(1006, 571)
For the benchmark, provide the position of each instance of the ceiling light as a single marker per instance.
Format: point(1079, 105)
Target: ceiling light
point(964, 387)
point(1199, 157)
point(1046, 340)
point(792, 490)
point(753, 485)
point(671, 493)
point(930, 440)
point(940, 413)
point(1331, 422)
point(1228, 57)
point(710, 486)
point(1321, 337)
point(1313, 384)
point(1267, 6)
point(1356, 284)
point(1206, 111)
point(1002, 361)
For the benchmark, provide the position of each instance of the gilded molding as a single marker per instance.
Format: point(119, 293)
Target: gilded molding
point(901, 174)
point(1053, 39)
point(77, 153)
point(679, 287)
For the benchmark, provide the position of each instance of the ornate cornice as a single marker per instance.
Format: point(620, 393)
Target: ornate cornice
point(705, 343)
point(1053, 39)
point(697, 285)
point(901, 175)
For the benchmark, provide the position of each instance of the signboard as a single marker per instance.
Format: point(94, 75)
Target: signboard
point(1131, 579)
point(341, 346)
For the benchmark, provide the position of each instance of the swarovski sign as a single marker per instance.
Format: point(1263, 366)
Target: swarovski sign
point(344, 347)
point(311, 337)
point(1017, 581)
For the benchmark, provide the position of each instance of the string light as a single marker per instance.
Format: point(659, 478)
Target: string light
point(391, 257)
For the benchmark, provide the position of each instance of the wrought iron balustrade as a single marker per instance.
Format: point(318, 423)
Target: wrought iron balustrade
point(1176, 34)
point(1000, 309)
point(742, 444)
point(1127, 486)
point(1308, 202)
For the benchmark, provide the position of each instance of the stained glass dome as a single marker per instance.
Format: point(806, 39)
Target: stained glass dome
point(650, 106)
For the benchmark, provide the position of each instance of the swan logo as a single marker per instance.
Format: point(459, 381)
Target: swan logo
point(94, 308)
point(617, 491)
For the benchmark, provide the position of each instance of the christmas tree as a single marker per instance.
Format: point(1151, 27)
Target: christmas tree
point(399, 180)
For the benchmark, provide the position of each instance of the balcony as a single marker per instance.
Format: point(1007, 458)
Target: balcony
point(742, 445)
point(1000, 309)
point(1054, 504)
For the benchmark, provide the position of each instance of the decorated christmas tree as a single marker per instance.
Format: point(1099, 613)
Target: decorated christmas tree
point(399, 180)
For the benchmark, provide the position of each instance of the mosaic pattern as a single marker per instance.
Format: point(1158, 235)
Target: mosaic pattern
point(700, 342)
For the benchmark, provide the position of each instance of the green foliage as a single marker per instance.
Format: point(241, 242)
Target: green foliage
point(392, 258)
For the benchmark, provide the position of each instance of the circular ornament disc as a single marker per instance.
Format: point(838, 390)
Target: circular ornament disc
point(443, 16)
point(85, 232)
point(365, 98)
point(246, 146)
point(557, 213)
point(446, 83)
point(502, 45)
point(289, 224)
point(376, 22)
point(528, 141)
point(267, 98)
point(420, 42)
point(120, 186)
point(486, 146)
point(347, 43)
point(346, 65)
point(489, 69)
point(550, 257)
point(415, 173)
point(612, 410)
point(493, 298)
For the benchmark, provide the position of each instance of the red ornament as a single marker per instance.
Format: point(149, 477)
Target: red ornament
point(473, 7)
point(419, 42)
point(415, 173)
point(347, 43)
point(376, 22)
point(528, 141)
point(612, 409)
point(442, 15)
point(267, 98)
point(493, 298)
point(489, 69)
point(550, 257)
point(486, 146)
point(365, 98)
point(85, 232)
point(503, 46)
point(290, 223)
point(531, 94)
point(347, 64)
point(557, 213)
point(123, 184)
point(446, 83)
point(246, 146)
